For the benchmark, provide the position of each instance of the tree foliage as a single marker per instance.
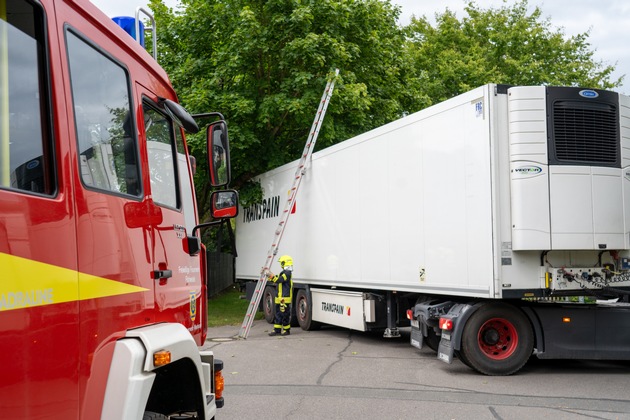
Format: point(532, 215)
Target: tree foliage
point(506, 45)
point(264, 64)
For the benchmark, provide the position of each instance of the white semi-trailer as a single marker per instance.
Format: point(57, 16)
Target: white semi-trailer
point(470, 218)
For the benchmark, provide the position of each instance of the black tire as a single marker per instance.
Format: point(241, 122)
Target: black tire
point(304, 311)
point(497, 340)
point(463, 359)
point(150, 415)
point(269, 307)
point(432, 339)
point(294, 321)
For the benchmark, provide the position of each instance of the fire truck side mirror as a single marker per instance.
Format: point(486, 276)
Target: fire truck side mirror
point(218, 149)
point(180, 115)
point(224, 204)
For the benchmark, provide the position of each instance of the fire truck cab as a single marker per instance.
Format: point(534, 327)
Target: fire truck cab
point(103, 300)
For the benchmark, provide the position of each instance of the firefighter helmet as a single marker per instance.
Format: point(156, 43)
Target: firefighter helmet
point(285, 261)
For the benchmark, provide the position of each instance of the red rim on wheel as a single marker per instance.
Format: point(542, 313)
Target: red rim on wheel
point(497, 338)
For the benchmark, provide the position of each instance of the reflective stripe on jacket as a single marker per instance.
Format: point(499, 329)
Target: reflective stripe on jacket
point(285, 287)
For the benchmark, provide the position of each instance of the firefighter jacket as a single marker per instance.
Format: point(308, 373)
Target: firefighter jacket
point(285, 287)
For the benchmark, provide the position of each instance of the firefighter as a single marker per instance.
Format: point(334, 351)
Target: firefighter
point(282, 322)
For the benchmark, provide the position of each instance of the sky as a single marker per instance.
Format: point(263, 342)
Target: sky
point(607, 20)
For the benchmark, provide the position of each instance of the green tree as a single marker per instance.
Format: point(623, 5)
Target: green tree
point(264, 65)
point(500, 45)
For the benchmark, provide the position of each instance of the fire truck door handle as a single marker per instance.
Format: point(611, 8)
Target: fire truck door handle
point(162, 274)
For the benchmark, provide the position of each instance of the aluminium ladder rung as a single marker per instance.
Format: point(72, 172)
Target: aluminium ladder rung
point(308, 150)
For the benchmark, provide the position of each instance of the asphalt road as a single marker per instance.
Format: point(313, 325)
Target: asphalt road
point(341, 374)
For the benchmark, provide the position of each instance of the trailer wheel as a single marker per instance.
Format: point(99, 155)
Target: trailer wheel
point(304, 311)
point(497, 340)
point(269, 308)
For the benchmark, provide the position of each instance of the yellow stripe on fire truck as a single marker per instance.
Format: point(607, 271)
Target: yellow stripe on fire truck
point(29, 283)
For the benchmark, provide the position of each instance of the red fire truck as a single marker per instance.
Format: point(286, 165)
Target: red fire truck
point(103, 297)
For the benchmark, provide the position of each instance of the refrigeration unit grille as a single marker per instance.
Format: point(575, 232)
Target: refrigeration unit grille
point(585, 133)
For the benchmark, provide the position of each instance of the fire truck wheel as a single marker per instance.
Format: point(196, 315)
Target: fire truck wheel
point(150, 415)
point(268, 304)
point(304, 311)
point(497, 340)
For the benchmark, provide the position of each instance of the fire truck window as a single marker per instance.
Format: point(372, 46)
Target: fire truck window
point(108, 156)
point(25, 141)
point(160, 146)
point(186, 185)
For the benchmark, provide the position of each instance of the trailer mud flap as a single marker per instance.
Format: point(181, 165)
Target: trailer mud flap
point(445, 350)
point(416, 338)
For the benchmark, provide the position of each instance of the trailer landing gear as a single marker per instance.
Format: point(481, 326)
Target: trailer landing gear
point(391, 331)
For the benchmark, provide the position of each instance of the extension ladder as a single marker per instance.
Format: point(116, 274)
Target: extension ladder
point(299, 173)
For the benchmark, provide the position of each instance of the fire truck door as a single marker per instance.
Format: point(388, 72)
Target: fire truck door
point(39, 307)
point(113, 243)
point(177, 274)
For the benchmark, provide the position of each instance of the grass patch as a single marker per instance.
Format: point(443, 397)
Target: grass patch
point(227, 308)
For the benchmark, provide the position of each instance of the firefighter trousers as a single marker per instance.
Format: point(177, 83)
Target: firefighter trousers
point(282, 323)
